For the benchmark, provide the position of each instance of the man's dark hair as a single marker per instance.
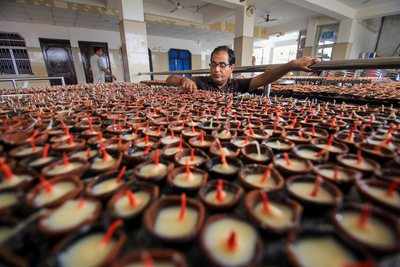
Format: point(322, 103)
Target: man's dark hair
point(97, 49)
point(230, 52)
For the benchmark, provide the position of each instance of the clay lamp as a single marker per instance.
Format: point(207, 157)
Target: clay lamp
point(298, 137)
point(99, 245)
point(129, 137)
point(24, 151)
point(191, 156)
point(202, 141)
point(42, 161)
point(152, 258)
point(104, 186)
point(192, 123)
point(258, 134)
point(187, 179)
point(329, 145)
point(227, 148)
point(349, 137)
point(118, 129)
point(315, 132)
point(69, 216)
point(116, 145)
point(175, 219)
point(311, 153)
point(314, 192)
point(154, 170)
point(381, 193)
point(344, 178)
point(154, 131)
point(289, 164)
point(66, 167)
point(256, 153)
point(279, 145)
point(53, 192)
point(10, 202)
point(130, 202)
point(87, 154)
point(332, 248)
point(191, 132)
point(266, 178)
point(71, 144)
point(241, 141)
point(389, 173)
point(293, 124)
point(368, 227)
point(169, 151)
point(358, 162)
point(224, 134)
point(96, 140)
point(224, 167)
point(136, 155)
point(209, 126)
point(170, 139)
point(273, 213)
point(176, 127)
point(229, 241)
point(104, 162)
point(22, 138)
point(380, 152)
point(274, 130)
point(146, 141)
point(11, 180)
point(220, 195)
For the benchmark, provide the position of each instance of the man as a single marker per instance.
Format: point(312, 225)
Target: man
point(98, 65)
point(221, 67)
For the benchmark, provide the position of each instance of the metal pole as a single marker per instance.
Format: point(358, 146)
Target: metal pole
point(62, 81)
point(14, 83)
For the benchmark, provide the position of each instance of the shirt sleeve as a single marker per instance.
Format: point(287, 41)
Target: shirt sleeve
point(102, 63)
point(243, 85)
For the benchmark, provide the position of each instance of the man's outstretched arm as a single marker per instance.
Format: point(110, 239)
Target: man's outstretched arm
point(186, 83)
point(271, 75)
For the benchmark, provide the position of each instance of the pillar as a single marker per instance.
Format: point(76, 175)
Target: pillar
point(244, 32)
point(133, 39)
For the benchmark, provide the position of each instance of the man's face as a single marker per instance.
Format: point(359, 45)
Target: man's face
point(99, 52)
point(220, 69)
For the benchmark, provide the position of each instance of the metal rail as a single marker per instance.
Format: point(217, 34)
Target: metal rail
point(15, 80)
point(352, 64)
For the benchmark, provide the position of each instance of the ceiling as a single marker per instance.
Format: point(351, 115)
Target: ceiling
point(365, 3)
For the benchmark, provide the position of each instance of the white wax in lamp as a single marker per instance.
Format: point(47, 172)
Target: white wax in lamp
point(198, 142)
point(84, 154)
point(66, 145)
point(88, 251)
point(330, 173)
point(226, 151)
point(278, 145)
point(40, 161)
point(295, 165)
point(144, 144)
point(277, 216)
point(58, 190)
point(374, 232)
point(240, 142)
point(295, 137)
point(258, 157)
point(217, 234)
point(124, 208)
point(190, 133)
point(168, 223)
point(106, 186)
point(332, 148)
point(309, 154)
point(103, 163)
point(224, 134)
point(152, 170)
point(154, 264)
point(70, 214)
point(170, 139)
point(63, 168)
point(260, 181)
point(382, 194)
point(362, 165)
point(227, 197)
point(196, 160)
point(224, 168)
point(7, 200)
point(5, 233)
point(28, 151)
point(304, 189)
point(191, 179)
point(129, 137)
point(322, 251)
point(14, 180)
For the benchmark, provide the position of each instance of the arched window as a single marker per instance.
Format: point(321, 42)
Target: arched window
point(179, 59)
point(14, 57)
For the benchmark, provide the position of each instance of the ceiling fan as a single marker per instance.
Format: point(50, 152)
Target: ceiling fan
point(267, 18)
point(178, 6)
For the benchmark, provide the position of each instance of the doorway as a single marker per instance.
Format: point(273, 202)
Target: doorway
point(58, 59)
point(87, 50)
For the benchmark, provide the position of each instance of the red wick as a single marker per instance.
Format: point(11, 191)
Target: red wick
point(301, 134)
point(364, 216)
point(317, 186)
point(201, 137)
point(81, 203)
point(172, 132)
point(180, 143)
point(360, 264)
point(232, 242)
point(265, 202)
point(100, 137)
point(182, 212)
point(321, 153)
point(266, 175)
point(294, 121)
point(392, 188)
point(131, 198)
point(121, 174)
point(286, 157)
point(156, 157)
point(147, 260)
point(192, 154)
point(70, 139)
point(103, 152)
point(330, 140)
point(90, 122)
point(333, 122)
point(193, 130)
point(251, 132)
point(220, 195)
point(110, 231)
point(314, 133)
point(223, 158)
point(359, 157)
point(187, 170)
point(350, 135)
point(45, 152)
point(146, 139)
point(47, 186)
point(158, 131)
point(6, 170)
point(147, 150)
point(33, 140)
point(87, 153)
point(246, 139)
point(336, 173)
point(65, 159)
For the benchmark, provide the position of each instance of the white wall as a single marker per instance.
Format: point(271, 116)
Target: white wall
point(390, 37)
point(163, 44)
point(363, 39)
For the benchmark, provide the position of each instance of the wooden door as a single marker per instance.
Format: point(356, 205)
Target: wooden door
point(58, 58)
point(87, 50)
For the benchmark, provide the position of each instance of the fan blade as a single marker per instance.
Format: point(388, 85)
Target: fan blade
point(173, 10)
point(172, 2)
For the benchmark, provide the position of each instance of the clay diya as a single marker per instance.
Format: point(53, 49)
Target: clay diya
point(220, 195)
point(266, 178)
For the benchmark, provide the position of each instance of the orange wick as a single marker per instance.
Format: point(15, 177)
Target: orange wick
point(392, 188)
point(45, 152)
point(232, 242)
point(220, 194)
point(265, 202)
point(156, 157)
point(182, 212)
point(65, 159)
point(47, 186)
point(121, 174)
point(364, 216)
point(131, 198)
point(110, 231)
point(286, 157)
point(317, 186)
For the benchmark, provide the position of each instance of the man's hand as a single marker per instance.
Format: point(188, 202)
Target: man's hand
point(303, 64)
point(114, 78)
point(188, 85)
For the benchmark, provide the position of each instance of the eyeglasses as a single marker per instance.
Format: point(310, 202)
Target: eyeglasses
point(222, 65)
